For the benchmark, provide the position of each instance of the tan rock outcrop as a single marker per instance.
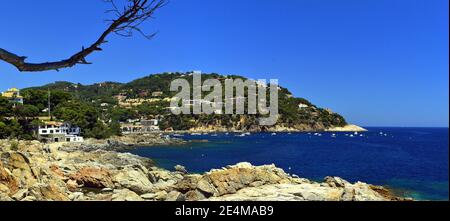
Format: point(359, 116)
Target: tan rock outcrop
point(8, 183)
point(19, 166)
point(93, 177)
point(133, 179)
point(49, 173)
point(125, 195)
point(48, 192)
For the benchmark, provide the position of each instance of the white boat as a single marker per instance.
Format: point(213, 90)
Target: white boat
point(196, 134)
point(274, 134)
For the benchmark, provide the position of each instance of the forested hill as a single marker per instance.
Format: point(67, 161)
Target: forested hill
point(98, 109)
point(139, 88)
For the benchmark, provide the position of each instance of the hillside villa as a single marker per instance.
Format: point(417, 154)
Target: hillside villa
point(301, 106)
point(53, 131)
point(134, 102)
point(13, 95)
point(140, 126)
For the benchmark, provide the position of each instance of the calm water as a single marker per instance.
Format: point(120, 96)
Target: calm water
point(413, 161)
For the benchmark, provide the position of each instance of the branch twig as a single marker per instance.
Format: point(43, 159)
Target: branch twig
point(127, 22)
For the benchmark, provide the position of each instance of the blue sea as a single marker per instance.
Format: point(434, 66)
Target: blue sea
point(411, 161)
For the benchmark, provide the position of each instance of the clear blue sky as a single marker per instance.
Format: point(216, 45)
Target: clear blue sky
point(377, 62)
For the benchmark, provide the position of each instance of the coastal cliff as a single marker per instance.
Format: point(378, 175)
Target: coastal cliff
point(316, 127)
point(32, 171)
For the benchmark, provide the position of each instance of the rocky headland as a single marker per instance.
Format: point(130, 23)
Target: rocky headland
point(347, 128)
point(318, 127)
point(120, 143)
point(32, 171)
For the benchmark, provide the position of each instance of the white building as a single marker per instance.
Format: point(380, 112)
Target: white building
point(301, 106)
point(73, 138)
point(150, 125)
point(13, 95)
point(141, 127)
point(59, 132)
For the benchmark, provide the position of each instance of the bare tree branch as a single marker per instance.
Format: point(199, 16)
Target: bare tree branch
point(127, 22)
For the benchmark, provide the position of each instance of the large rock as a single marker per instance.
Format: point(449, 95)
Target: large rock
point(93, 177)
point(204, 186)
point(157, 174)
point(5, 197)
point(4, 189)
point(175, 196)
point(125, 195)
point(104, 158)
point(233, 178)
point(188, 183)
point(48, 192)
point(57, 170)
point(181, 169)
point(72, 185)
point(195, 195)
point(336, 182)
point(19, 195)
point(133, 179)
point(8, 183)
point(76, 196)
point(158, 196)
point(19, 166)
point(302, 192)
point(246, 182)
point(364, 192)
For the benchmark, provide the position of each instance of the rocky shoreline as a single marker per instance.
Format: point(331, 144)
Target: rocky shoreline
point(276, 129)
point(122, 143)
point(32, 171)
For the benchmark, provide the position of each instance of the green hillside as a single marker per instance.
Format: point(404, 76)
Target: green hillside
point(95, 109)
